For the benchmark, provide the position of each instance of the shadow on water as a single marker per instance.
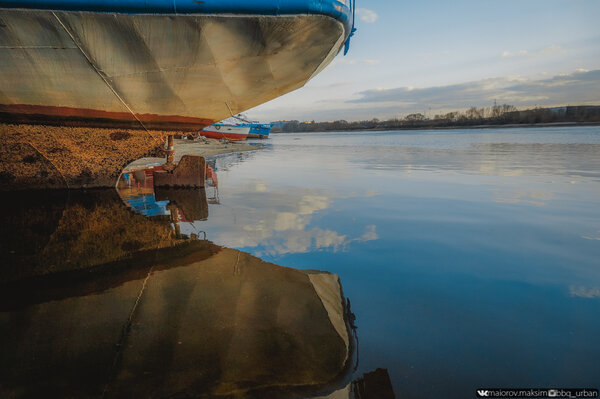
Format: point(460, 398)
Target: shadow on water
point(99, 300)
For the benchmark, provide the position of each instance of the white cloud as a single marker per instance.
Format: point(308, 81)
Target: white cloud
point(366, 15)
point(344, 61)
point(543, 52)
point(350, 61)
point(521, 53)
point(575, 88)
point(582, 87)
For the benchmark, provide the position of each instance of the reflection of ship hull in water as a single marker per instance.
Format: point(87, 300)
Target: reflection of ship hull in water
point(162, 316)
point(212, 181)
point(136, 188)
point(225, 131)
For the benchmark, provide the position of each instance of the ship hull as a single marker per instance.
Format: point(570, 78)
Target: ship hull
point(158, 71)
point(100, 75)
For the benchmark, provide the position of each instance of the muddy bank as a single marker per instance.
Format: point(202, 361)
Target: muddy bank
point(199, 146)
point(43, 157)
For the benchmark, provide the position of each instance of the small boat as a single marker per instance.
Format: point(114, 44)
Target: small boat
point(259, 130)
point(225, 131)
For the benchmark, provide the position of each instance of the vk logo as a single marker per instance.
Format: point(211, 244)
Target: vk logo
point(481, 393)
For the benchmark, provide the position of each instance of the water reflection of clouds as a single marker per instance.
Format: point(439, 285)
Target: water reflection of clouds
point(531, 197)
point(592, 238)
point(277, 222)
point(302, 241)
point(585, 292)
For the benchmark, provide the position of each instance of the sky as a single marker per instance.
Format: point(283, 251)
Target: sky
point(437, 56)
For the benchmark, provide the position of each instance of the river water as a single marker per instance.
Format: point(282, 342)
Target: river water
point(470, 259)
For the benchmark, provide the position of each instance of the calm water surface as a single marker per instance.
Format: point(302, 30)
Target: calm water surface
point(471, 257)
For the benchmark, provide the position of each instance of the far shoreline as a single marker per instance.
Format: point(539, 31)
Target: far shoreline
point(501, 126)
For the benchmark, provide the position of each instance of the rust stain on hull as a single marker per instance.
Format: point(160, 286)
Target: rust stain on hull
point(68, 116)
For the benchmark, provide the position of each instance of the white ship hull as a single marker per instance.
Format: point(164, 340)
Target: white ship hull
point(159, 71)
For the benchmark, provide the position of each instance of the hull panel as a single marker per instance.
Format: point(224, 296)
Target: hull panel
point(67, 116)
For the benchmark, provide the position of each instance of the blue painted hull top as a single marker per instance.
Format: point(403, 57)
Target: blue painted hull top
point(259, 130)
point(338, 9)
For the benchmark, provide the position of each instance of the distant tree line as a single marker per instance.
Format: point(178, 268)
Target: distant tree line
point(496, 115)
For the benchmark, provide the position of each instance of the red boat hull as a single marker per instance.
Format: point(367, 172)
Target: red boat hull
point(223, 135)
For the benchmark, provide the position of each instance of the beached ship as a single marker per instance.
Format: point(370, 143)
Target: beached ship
point(226, 131)
point(152, 67)
point(257, 130)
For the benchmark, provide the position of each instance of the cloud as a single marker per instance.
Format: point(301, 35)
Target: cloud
point(582, 87)
point(344, 61)
point(366, 15)
point(578, 87)
point(349, 61)
point(525, 53)
point(521, 53)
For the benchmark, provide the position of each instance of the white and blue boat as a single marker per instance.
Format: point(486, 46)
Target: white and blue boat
point(226, 131)
point(259, 130)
